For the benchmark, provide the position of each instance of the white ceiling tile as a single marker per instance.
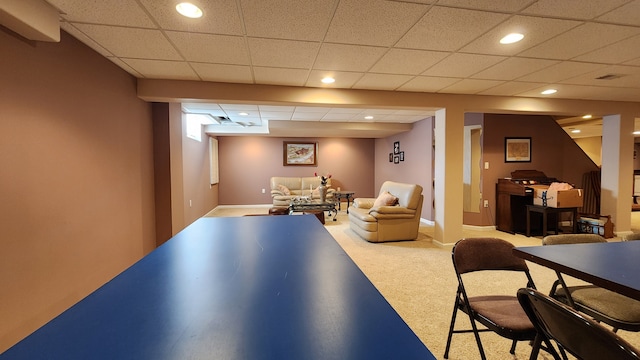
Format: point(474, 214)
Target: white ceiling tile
point(159, 69)
point(573, 9)
point(620, 52)
point(238, 107)
point(448, 29)
point(402, 61)
point(350, 111)
point(493, 5)
point(71, 29)
point(337, 117)
point(372, 22)
point(462, 65)
point(626, 14)
point(276, 76)
point(344, 80)
point(219, 17)
point(347, 57)
point(572, 43)
point(140, 43)
point(510, 88)
point(283, 53)
point(470, 86)
point(536, 30)
point(427, 83)
point(113, 12)
point(276, 115)
point(223, 73)
point(560, 71)
point(311, 109)
point(382, 81)
point(125, 66)
point(207, 48)
point(287, 19)
point(276, 108)
point(405, 119)
point(307, 116)
point(513, 68)
point(630, 77)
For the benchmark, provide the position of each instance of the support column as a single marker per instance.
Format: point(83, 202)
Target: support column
point(617, 170)
point(449, 140)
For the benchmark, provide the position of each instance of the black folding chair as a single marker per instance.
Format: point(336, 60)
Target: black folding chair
point(501, 314)
point(575, 333)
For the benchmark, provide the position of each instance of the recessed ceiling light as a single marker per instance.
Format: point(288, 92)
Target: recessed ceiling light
point(243, 114)
point(636, 133)
point(328, 80)
point(549, 92)
point(575, 131)
point(511, 38)
point(588, 116)
point(368, 117)
point(189, 10)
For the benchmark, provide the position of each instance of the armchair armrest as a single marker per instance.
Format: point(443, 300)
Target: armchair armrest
point(392, 212)
point(363, 203)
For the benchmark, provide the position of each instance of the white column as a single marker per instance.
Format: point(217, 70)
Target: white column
point(617, 170)
point(449, 136)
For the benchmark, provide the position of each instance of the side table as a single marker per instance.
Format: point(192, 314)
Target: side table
point(343, 195)
point(545, 210)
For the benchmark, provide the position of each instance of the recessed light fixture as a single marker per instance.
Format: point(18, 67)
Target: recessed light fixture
point(511, 38)
point(189, 10)
point(588, 116)
point(549, 92)
point(575, 131)
point(328, 80)
point(243, 114)
point(636, 133)
point(369, 117)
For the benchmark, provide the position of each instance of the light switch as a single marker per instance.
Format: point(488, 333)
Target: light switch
point(486, 165)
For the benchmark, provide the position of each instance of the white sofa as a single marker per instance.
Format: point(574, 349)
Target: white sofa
point(388, 222)
point(297, 186)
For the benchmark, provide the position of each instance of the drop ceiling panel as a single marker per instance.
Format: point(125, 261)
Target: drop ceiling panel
point(222, 17)
point(158, 69)
point(283, 53)
point(288, 19)
point(428, 83)
point(222, 49)
point(626, 14)
point(573, 9)
point(463, 65)
point(344, 80)
point(381, 81)
point(493, 5)
point(412, 62)
point(223, 73)
point(115, 12)
point(448, 29)
point(572, 43)
point(620, 52)
point(535, 30)
point(348, 57)
point(276, 76)
point(71, 29)
point(140, 43)
point(372, 22)
point(470, 86)
point(513, 68)
point(629, 77)
point(511, 88)
point(560, 71)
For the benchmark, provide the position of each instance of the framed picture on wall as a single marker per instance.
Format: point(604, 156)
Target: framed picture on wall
point(300, 153)
point(390, 157)
point(517, 149)
point(401, 155)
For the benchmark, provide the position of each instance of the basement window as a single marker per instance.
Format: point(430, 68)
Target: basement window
point(194, 126)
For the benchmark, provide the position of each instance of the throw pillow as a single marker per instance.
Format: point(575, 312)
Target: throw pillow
point(285, 190)
point(385, 199)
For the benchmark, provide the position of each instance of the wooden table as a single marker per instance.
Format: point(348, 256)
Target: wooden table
point(343, 195)
point(613, 265)
point(257, 287)
point(545, 210)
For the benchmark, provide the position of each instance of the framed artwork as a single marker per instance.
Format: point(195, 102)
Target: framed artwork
point(401, 155)
point(517, 149)
point(300, 153)
point(390, 157)
point(396, 159)
point(396, 147)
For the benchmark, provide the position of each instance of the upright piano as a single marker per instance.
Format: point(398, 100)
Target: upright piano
point(512, 197)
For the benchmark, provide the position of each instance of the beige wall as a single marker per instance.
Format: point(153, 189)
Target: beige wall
point(76, 178)
point(247, 164)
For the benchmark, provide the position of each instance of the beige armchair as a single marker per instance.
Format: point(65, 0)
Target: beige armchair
point(388, 222)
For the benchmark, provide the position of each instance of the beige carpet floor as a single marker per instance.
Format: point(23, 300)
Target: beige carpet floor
point(418, 280)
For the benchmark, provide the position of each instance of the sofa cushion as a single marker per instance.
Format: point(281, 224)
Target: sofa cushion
point(285, 190)
point(385, 199)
